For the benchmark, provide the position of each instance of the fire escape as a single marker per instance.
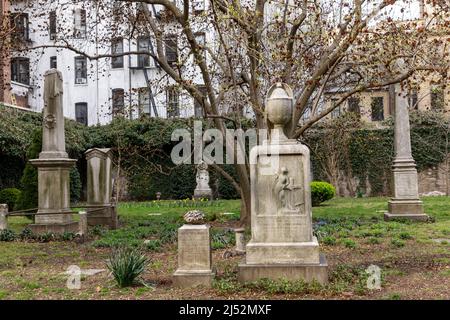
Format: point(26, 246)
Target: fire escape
point(145, 69)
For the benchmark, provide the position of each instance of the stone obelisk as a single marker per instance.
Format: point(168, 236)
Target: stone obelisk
point(53, 164)
point(282, 243)
point(405, 202)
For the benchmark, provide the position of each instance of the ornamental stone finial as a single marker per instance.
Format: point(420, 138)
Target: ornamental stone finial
point(279, 105)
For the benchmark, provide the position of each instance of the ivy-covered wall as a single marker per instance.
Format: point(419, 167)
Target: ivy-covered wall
point(360, 155)
point(350, 154)
point(141, 148)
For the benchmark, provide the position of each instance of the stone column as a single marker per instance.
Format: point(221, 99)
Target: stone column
point(282, 243)
point(202, 190)
point(405, 202)
point(3, 217)
point(53, 164)
point(194, 257)
point(99, 187)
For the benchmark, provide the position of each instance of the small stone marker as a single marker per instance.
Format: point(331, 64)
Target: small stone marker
point(240, 240)
point(3, 218)
point(194, 257)
point(83, 223)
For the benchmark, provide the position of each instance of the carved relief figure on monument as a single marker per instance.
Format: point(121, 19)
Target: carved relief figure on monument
point(288, 195)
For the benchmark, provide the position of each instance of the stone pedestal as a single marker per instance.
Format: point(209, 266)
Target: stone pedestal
point(202, 190)
point(99, 188)
point(282, 243)
point(194, 257)
point(405, 203)
point(54, 213)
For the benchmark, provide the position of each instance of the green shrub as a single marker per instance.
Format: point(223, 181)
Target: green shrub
point(321, 191)
point(126, 265)
point(349, 243)
point(45, 237)
point(329, 240)
point(26, 234)
point(397, 243)
point(153, 245)
point(10, 196)
point(405, 236)
point(7, 235)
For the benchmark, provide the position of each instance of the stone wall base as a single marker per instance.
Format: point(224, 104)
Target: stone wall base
point(189, 279)
point(292, 272)
point(290, 252)
point(57, 228)
point(203, 194)
point(107, 218)
point(405, 209)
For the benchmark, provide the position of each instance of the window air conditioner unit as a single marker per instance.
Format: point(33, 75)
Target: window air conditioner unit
point(198, 5)
point(80, 81)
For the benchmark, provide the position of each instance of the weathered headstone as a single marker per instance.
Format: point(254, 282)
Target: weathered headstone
point(194, 257)
point(3, 217)
point(54, 165)
point(99, 187)
point(282, 243)
point(240, 240)
point(202, 190)
point(83, 229)
point(405, 202)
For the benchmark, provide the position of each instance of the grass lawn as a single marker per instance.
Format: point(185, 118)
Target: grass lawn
point(351, 232)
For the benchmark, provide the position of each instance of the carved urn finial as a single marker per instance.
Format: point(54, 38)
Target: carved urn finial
point(279, 106)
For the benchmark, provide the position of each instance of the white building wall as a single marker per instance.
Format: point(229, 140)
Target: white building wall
point(97, 92)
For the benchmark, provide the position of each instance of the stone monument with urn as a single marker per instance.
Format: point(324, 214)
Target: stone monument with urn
point(54, 165)
point(282, 243)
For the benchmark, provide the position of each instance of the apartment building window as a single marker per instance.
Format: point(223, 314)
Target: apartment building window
point(80, 70)
point(118, 102)
point(19, 22)
point(171, 44)
point(53, 62)
point(354, 105)
point(144, 101)
point(413, 100)
point(20, 70)
point(198, 107)
point(81, 113)
point(143, 45)
point(173, 102)
point(200, 38)
point(52, 25)
point(437, 99)
point(336, 113)
point(377, 107)
point(198, 6)
point(117, 48)
point(80, 23)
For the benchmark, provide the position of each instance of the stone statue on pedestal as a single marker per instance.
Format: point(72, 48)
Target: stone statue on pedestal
point(282, 243)
point(202, 190)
